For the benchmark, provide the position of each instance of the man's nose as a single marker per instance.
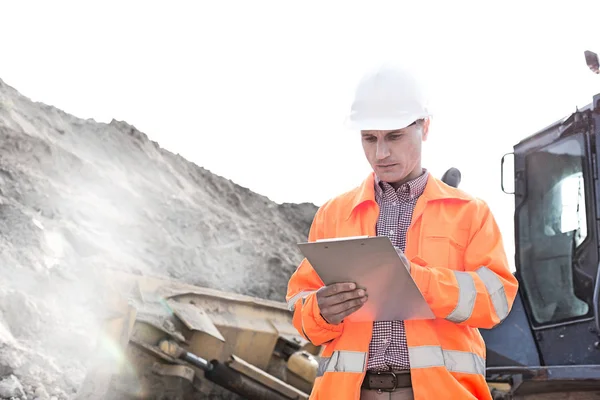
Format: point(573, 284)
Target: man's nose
point(383, 150)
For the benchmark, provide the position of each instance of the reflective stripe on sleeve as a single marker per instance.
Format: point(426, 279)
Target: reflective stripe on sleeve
point(466, 298)
point(452, 360)
point(467, 295)
point(495, 290)
point(343, 361)
point(291, 303)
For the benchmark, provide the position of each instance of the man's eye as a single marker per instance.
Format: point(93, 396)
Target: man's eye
point(369, 138)
point(394, 137)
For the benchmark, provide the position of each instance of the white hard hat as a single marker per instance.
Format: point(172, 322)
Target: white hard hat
point(388, 97)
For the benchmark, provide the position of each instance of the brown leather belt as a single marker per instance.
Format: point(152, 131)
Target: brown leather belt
point(387, 381)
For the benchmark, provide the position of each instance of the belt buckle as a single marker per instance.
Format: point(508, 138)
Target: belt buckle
point(394, 380)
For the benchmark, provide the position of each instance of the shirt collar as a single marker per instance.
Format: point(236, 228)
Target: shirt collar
point(435, 189)
point(414, 187)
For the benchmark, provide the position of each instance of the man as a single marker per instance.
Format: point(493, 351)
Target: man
point(448, 240)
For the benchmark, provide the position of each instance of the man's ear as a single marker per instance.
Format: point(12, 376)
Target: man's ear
point(425, 128)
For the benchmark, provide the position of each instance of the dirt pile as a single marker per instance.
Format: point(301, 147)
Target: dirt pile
point(76, 197)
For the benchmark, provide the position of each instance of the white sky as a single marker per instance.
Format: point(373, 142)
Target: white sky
point(211, 80)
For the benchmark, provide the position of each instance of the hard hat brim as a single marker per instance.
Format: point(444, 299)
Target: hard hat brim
point(382, 124)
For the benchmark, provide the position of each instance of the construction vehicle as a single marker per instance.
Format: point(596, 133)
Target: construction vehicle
point(168, 340)
point(549, 345)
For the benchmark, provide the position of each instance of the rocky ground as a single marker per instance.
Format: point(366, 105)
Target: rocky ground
point(77, 197)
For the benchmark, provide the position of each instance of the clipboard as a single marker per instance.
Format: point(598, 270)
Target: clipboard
point(373, 264)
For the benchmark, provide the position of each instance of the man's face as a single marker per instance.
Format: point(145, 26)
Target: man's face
point(395, 155)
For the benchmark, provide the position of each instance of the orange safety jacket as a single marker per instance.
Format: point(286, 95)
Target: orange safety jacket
point(458, 262)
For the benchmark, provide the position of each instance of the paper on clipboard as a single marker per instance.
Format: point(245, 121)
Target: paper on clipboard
point(372, 263)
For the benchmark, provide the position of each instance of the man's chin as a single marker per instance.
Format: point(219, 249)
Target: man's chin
point(389, 176)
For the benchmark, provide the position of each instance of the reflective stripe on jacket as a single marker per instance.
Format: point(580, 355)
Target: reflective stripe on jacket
point(458, 262)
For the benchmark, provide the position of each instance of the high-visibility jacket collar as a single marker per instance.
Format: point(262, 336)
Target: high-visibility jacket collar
point(434, 190)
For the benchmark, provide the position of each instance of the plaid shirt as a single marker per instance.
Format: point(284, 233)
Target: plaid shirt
point(388, 347)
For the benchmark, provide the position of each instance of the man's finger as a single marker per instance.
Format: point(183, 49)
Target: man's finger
point(340, 316)
point(342, 298)
point(342, 307)
point(332, 313)
point(336, 288)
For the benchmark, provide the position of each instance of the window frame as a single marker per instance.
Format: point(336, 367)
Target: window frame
point(589, 186)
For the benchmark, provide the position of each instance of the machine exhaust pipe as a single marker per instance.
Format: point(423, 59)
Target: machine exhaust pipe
point(239, 383)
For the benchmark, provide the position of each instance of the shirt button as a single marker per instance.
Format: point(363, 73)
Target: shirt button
point(391, 232)
point(395, 203)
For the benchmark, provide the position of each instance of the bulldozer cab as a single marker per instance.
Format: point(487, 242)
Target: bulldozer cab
point(551, 339)
point(556, 238)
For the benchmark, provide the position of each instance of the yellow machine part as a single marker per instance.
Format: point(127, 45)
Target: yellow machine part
point(302, 370)
point(253, 336)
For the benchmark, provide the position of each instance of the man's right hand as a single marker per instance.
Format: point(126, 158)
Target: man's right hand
point(339, 300)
